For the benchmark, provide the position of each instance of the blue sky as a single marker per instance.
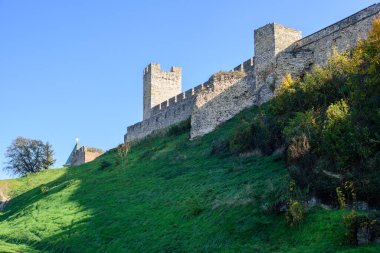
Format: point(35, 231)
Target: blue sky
point(73, 68)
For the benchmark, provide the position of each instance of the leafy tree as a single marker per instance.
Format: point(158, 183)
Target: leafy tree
point(28, 156)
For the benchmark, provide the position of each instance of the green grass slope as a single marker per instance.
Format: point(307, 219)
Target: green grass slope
point(173, 196)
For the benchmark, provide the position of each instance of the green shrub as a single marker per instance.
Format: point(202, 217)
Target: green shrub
point(372, 186)
point(328, 121)
point(339, 137)
point(347, 199)
point(350, 222)
point(262, 134)
point(303, 123)
point(180, 128)
point(361, 228)
point(295, 213)
point(296, 205)
point(220, 147)
point(104, 164)
point(266, 134)
point(242, 139)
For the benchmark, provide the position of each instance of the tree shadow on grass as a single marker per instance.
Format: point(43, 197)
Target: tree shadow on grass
point(144, 208)
point(24, 200)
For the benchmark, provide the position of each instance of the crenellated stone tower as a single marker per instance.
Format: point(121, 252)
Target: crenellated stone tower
point(160, 85)
point(272, 39)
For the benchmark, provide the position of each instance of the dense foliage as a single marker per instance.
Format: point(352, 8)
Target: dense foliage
point(328, 122)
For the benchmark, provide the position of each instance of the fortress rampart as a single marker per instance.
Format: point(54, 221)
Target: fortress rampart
point(278, 50)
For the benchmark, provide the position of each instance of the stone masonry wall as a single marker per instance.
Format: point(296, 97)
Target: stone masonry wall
point(342, 35)
point(169, 112)
point(313, 50)
point(295, 63)
point(278, 51)
point(230, 93)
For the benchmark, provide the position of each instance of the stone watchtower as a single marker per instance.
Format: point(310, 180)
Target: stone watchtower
point(160, 85)
point(271, 39)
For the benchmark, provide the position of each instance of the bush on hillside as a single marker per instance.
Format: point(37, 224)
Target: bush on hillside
point(104, 164)
point(301, 161)
point(180, 128)
point(303, 123)
point(300, 134)
point(220, 147)
point(242, 139)
point(295, 213)
point(360, 228)
point(329, 121)
point(263, 134)
point(296, 210)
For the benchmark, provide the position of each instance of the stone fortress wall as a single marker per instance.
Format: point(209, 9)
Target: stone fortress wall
point(172, 110)
point(278, 50)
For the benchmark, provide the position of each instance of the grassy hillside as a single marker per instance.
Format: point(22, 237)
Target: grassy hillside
point(215, 193)
point(174, 195)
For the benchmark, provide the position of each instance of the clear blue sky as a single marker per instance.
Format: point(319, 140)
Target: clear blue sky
point(73, 68)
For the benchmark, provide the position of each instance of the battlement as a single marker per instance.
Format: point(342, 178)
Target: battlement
point(156, 67)
point(341, 35)
point(246, 66)
point(178, 99)
point(190, 94)
point(337, 27)
point(160, 85)
point(279, 50)
point(181, 106)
